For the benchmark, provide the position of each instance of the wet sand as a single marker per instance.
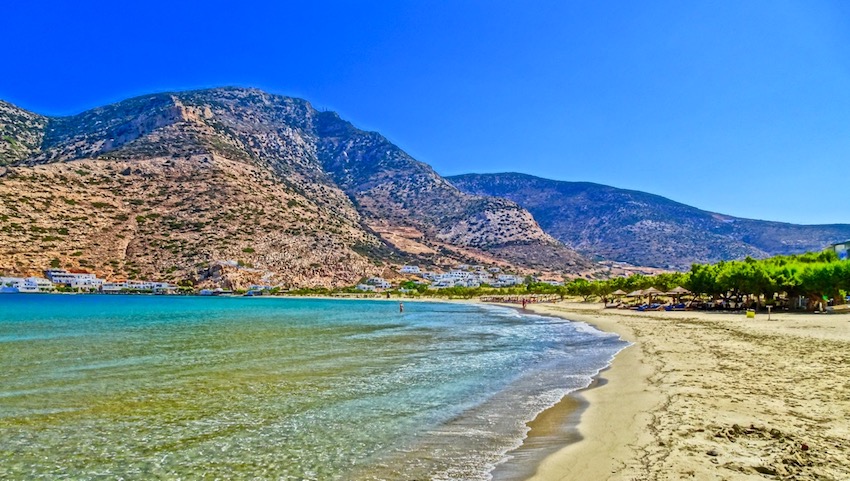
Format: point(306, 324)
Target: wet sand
point(548, 433)
point(710, 396)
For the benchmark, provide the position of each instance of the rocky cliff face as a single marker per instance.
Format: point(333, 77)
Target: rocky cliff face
point(645, 229)
point(178, 185)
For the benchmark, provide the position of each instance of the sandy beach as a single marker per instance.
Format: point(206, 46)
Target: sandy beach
point(713, 396)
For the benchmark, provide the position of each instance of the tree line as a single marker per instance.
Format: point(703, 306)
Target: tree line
point(817, 276)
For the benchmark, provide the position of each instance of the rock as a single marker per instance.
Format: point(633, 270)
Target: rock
point(125, 171)
point(712, 452)
point(765, 470)
point(804, 447)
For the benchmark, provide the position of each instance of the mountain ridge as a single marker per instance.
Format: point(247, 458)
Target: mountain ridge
point(643, 228)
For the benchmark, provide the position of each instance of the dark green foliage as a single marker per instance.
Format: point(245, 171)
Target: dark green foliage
point(814, 275)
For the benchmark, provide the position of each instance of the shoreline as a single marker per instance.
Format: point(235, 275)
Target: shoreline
point(570, 429)
point(607, 415)
point(711, 396)
point(548, 433)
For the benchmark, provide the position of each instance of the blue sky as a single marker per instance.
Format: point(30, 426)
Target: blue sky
point(735, 107)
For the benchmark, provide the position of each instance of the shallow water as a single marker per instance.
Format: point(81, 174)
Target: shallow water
point(205, 388)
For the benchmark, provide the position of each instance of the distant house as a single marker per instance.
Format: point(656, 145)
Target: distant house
point(365, 287)
point(457, 278)
point(379, 282)
point(138, 286)
point(29, 284)
point(506, 280)
point(9, 285)
point(842, 249)
point(410, 270)
point(74, 278)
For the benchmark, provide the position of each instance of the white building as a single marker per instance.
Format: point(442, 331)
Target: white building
point(10, 285)
point(456, 278)
point(507, 280)
point(137, 286)
point(379, 282)
point(28, 285)
point(77, 279)
point(410, 270)
point(365, 287)
point(37, 284)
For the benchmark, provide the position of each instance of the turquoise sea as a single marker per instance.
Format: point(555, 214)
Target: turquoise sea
point(153, 387)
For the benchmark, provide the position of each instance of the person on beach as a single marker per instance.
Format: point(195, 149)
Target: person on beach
point(524, 302)
point(400, 306)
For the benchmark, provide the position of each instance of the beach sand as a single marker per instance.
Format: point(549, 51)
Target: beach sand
point(712, 396)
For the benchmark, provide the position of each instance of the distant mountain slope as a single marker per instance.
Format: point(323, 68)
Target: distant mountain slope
point(645, 229)
point(21, 133)
point(302, 195)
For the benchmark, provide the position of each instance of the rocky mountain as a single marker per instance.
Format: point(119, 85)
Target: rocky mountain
point(21, 133)
point(645, 229)
point(231, 186)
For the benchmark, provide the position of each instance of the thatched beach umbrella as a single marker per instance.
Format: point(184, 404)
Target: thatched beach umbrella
point(679, 291)
point(618, 293)
point(651, 292)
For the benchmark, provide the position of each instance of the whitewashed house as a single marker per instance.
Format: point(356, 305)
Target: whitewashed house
point(456, 278)
point(507, 280)
point(410, 270)
point(10, 285)
point(78, 279)
point(379, 282)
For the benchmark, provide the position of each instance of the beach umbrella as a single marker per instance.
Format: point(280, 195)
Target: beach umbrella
point(678, 292)
point(618, 292)
point(651, 292)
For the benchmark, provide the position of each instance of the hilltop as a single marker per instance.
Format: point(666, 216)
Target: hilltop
point(645, 229)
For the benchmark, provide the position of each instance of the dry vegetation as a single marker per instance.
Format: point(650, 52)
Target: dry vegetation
point(173, 219)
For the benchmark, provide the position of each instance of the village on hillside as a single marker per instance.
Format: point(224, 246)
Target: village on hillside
point(463, 275)
point(82, 281)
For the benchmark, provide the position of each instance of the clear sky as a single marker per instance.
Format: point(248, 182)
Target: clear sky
point(735, 107)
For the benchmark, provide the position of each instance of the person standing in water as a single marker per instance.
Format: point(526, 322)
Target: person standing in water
point(400, 306)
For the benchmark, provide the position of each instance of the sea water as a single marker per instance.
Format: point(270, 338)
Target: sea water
point(140, 387)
